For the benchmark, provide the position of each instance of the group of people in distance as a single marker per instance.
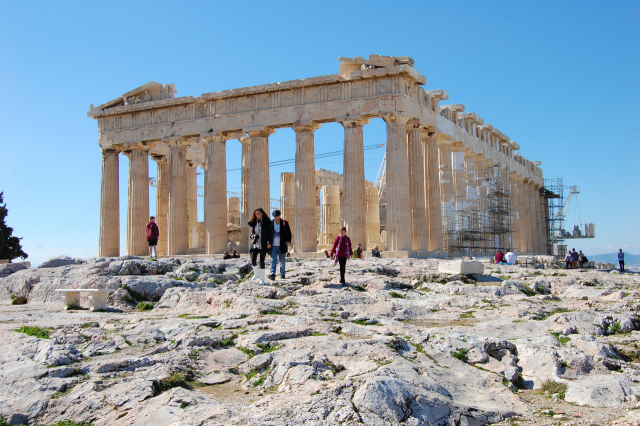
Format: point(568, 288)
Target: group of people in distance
point(572, 259)
point(505, 259)
point(274, 237)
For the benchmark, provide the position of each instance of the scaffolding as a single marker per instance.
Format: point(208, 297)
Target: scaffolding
point(482, 231)
point(554, 194)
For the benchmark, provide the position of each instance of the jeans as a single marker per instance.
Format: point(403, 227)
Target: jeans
point(254, 255)
point(343, 263)
point(275, 257)
point(621, 262)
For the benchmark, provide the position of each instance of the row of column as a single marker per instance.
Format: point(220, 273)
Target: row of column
point(420, 185)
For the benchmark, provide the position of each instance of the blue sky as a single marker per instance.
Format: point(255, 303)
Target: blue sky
point(559, 78)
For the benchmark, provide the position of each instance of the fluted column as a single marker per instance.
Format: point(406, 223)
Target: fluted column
point(515, 213)
point(419, 228)
point(177, 231)
point(538, 221)
point(305, 225)
point(432, 189)
point(472, 190)
point(446, 188)
point(354, 210)
point(482, 165)
point(288, 199)
point(245, 183)
point(138, 203)
point(527, 217)
point(398, 196)
point(331, 213)
point(373, 217)
point(259, 196)
point(522, 215)
point(162, 201)
point(110, 204)
point(192, 202)
point(215, 194)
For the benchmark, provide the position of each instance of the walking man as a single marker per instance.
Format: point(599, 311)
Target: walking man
point(152, 237)
point(621, 260)
point(280, 247)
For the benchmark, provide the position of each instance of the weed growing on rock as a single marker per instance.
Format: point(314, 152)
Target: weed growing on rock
point(362, 322)
point(461, 355)
point(18, 300)
point(40, 333)
point(246, 351)
point(183, 380)
point(315, 333)
point(145, 306)
point(397, 295)
point(468, 314)
point(89, 325)
point(267, 347)
point(552, 388)
point(360, 288)
point(3, 421)
point(562, 339)
point(69, 423)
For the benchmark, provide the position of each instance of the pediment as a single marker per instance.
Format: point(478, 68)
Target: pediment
point(149, 92)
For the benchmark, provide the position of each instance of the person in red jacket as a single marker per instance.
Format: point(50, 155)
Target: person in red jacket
point(152, 236)
point(341, 251)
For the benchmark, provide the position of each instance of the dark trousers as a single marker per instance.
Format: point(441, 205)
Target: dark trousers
point(567, 265)
point(621, 262)
point(343, 264)
point(254, 257)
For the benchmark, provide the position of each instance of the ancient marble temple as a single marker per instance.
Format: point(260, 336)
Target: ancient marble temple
point(438, 158)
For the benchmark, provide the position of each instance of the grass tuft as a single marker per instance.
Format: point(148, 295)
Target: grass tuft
point(397, 295)
point(551, 387)
point(39, 332)
point(461, 355)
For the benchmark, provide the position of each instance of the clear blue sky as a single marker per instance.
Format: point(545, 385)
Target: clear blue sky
point(559, 78)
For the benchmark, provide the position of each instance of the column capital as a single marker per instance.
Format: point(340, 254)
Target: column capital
point(160, 159)
point(192, 164)
point(353, 121)
point(177, 141)
point(262, 132)
point(305, 127)
point(111, 150)
point(216, 137)
point(395, 118)
point(458, 147)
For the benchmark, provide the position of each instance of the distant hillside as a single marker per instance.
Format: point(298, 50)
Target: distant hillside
point(629, 259)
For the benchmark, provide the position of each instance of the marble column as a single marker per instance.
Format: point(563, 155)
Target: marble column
point(110, 205)
point(398, 195)
point(330, 213)
point(215, 195)
point(432, 192)
point(162, 201)
point(192, 203)
point(305, 223)
point(522, 215)
point(515, 213)
point(245, 185)
point(482, 165)
point(538, 219)
point(354, 210)
point(472, 191)
point(373, 218)
point(138, 203)
point(419, 229)
point(446, 188)
point(177, 231)
point(528, 243)
point(288, 200)
point(259, 196)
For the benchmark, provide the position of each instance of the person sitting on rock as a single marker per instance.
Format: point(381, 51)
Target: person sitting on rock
point(358, 254)
point(236, 255)
point(326, 255)
point(375, 252)
point(226, 255)
point(510, 258)
point(499, 258)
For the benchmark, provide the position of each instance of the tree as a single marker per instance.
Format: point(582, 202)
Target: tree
point(10, 247)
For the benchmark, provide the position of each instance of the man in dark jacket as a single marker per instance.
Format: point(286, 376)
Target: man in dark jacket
point(152, 236)
point(281, 242)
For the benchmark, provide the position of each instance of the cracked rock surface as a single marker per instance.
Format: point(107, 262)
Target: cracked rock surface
point(195, 341)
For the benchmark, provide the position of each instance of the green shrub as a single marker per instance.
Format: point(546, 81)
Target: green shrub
point(19, 300)
point(468, 314)
point(145, 306)
point(461, 355)
point(3, 421)
point(266, 347)
point(315, 333)
point(397, 295)
point(227, 341)
point(360, 288)
point(182, 380)
point(69, 423)
point(40, 333)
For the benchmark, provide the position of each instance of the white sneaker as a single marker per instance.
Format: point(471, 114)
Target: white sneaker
point(262, 274)
point(256, 273)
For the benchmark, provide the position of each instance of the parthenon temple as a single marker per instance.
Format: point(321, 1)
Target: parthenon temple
point(451, 184)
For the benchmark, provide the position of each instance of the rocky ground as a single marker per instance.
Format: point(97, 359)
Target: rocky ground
point(197, 342)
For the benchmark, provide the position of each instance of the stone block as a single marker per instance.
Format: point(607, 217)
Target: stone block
point(526, 260)
point(461, 267)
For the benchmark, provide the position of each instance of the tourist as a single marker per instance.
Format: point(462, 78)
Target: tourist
point(358, 253)
point(288, 255)
point(621, 260)
point(375, 252)
point(567, 261)
point(152, 237)
point(582, 259)
point(510, 258)
point(574, 259)
point(280, 247)
point(499, 258)
point(326, 255)
point(236, 255)
point(227, 256)
point(341, 251)
point(261, 234)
